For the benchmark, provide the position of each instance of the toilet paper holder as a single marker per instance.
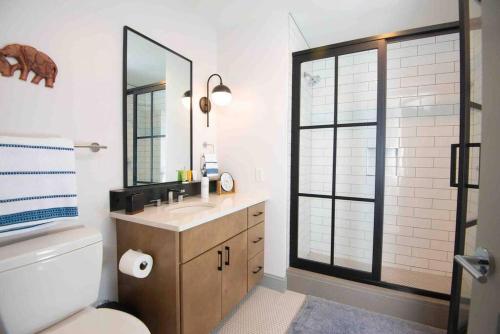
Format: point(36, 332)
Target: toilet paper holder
point(135, 263)
point(143, 265)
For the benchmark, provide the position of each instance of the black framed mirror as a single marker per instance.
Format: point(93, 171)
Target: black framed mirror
point(157, 111)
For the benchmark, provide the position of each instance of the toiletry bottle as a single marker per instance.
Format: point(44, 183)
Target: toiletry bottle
point(184, 175)
point(204, 185)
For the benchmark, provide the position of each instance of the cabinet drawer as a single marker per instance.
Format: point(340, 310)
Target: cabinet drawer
point(255, 270)
point(255, 240)
point(256, 214)
point(199, 239)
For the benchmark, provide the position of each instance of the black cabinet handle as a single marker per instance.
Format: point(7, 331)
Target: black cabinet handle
point(219, 254)
point(258, 214)
point(259, 239)
point(258, 269)
point(228, 250)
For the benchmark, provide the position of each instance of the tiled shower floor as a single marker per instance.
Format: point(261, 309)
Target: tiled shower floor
point(393, 275)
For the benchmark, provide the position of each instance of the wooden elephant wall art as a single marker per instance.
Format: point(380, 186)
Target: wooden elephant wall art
point(28, 59)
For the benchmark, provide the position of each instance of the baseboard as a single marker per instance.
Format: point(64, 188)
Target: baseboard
point(425, 310)
point(274, 282)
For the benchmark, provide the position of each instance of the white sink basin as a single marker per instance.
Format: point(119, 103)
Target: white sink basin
point(191, 207)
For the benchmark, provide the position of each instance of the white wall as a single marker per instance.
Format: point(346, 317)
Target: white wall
point(251, 132)
point(84, 38)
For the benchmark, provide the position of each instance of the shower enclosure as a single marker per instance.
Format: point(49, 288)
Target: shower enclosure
point(376, 125)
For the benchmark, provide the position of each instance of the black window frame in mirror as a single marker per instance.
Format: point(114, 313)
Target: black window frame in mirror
point(126, 30)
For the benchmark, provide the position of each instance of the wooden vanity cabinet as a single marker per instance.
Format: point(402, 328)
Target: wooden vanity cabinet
point(199, 275)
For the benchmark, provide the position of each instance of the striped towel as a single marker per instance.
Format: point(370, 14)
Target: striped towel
point(211, 165)
point(37, 183)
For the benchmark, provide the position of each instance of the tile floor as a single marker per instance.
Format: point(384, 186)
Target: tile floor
point(263, 311)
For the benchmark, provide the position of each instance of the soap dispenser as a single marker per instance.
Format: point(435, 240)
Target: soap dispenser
point(204, 185)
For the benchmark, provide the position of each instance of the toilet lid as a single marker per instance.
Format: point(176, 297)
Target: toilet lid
point(99, 321)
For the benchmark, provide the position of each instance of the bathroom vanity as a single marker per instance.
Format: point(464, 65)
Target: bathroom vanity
point(207, 255)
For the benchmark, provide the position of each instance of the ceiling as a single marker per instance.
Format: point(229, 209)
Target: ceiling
point(328, 21)
point(145, 61)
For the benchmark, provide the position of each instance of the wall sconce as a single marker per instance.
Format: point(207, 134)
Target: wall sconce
point(186, 99)
point(221, 95)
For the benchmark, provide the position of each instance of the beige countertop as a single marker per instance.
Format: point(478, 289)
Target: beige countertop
point(193, 211)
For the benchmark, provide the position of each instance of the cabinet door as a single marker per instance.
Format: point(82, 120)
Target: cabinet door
point(234, 275)
point(201, 292)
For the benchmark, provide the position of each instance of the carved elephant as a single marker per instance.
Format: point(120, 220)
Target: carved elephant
point(30, 59)
point(5, 67)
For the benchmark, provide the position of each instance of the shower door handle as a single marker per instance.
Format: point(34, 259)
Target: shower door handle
point(479, 265)
point(453, 165)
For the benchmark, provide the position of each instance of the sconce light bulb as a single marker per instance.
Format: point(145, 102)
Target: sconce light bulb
point(186, 102)
point(221, 95)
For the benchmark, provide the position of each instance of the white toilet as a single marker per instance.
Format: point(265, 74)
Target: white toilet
point(48, 282)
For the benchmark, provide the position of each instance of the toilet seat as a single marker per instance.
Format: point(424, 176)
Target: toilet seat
point(99, 321)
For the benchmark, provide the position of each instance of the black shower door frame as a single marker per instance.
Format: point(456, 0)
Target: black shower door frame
point(379, 43)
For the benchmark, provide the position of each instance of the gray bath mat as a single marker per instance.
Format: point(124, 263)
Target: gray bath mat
point(321, 316)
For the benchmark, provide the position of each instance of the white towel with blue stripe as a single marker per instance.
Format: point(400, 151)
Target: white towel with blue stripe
point(211, 165)
point(37, 183)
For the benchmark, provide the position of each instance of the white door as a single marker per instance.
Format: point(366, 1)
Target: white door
point(484, 316)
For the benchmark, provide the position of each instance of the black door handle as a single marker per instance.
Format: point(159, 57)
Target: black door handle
point(259, 239)
point(258, 214)
point(453, 165)
point(259, 268)
point(228, 250)
point(219, 266)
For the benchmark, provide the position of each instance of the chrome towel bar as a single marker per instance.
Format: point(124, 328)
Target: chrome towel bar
point(94, 147)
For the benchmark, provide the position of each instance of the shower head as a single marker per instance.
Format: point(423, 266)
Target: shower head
point(312, 80)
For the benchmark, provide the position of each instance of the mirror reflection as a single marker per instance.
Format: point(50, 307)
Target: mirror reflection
point(158, 112)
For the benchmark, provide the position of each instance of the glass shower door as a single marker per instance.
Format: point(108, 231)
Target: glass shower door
point(337, 161)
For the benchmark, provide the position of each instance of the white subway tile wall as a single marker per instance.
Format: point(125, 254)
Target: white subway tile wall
point(353, 241)
point(422, 123)
point(355, 163)
point(319, 218)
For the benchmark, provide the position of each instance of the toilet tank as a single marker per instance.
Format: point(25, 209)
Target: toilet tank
point(47, 278)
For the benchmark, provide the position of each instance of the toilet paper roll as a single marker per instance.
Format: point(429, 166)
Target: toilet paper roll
point(135, 264)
